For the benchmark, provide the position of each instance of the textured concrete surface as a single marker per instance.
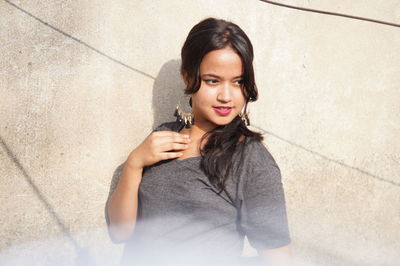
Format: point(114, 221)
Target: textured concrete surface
point(83, 82)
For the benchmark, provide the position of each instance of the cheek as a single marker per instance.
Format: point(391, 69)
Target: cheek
point(240, 98)
point(205, 94)
point(199, 99)
point(244, 92)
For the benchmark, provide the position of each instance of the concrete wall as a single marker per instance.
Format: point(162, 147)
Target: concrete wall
point(83, 82)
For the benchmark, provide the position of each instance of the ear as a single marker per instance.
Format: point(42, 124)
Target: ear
point(185, 78)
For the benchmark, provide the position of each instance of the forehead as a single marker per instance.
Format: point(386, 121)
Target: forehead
point(223, 62)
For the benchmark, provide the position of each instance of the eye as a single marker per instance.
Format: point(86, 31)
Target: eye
point(239, 82)
point(211, 81)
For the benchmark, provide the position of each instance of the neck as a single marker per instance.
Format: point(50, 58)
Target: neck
point(196, 131)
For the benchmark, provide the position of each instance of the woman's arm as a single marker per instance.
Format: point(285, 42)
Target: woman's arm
point(276, 257)
point(263, 215)
point(123, 203)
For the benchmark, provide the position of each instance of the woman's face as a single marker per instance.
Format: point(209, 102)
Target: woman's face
point(221, 79)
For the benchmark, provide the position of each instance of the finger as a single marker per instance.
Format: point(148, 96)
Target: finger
point(171, 134)
point(169, 155)
point(174, 146)
point(179, 139)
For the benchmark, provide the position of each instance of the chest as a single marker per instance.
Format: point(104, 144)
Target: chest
point(180, 188)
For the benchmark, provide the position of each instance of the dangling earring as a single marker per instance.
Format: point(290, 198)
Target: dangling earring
point(245, 117)
point(186, 118)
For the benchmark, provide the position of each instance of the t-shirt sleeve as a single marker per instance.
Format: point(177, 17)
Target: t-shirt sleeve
point(263, 215)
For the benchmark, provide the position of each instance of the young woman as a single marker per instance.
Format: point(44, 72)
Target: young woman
point(191, 191)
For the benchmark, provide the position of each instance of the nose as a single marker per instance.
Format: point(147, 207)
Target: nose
point(224, 93)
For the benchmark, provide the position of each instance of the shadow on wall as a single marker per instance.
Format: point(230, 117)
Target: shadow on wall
point(168, 92)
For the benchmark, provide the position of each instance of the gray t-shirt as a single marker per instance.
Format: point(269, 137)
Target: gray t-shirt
point(182, 217)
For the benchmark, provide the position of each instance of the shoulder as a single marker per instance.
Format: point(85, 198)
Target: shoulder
point(257, 156)
point(262, 173)
point(168, 126)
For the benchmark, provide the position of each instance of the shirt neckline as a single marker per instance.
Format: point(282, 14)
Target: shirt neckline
point(188, 159)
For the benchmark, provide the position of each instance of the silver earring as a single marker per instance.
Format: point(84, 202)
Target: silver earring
point(245, 118)
point(185, 118)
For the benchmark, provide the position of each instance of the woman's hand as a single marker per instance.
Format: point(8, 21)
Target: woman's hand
point(158, 146)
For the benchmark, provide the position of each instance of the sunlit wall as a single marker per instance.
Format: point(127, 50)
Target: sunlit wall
point(82, 83)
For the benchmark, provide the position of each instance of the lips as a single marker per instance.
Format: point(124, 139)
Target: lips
point(223, 107)
point(222, 110)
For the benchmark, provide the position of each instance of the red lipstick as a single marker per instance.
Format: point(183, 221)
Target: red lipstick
point(223, 110)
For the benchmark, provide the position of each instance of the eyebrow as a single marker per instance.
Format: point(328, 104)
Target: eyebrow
point(215, 76)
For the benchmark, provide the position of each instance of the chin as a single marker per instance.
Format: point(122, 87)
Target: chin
point(222, 121)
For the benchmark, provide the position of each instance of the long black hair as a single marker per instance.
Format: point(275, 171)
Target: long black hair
point(208, 35)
